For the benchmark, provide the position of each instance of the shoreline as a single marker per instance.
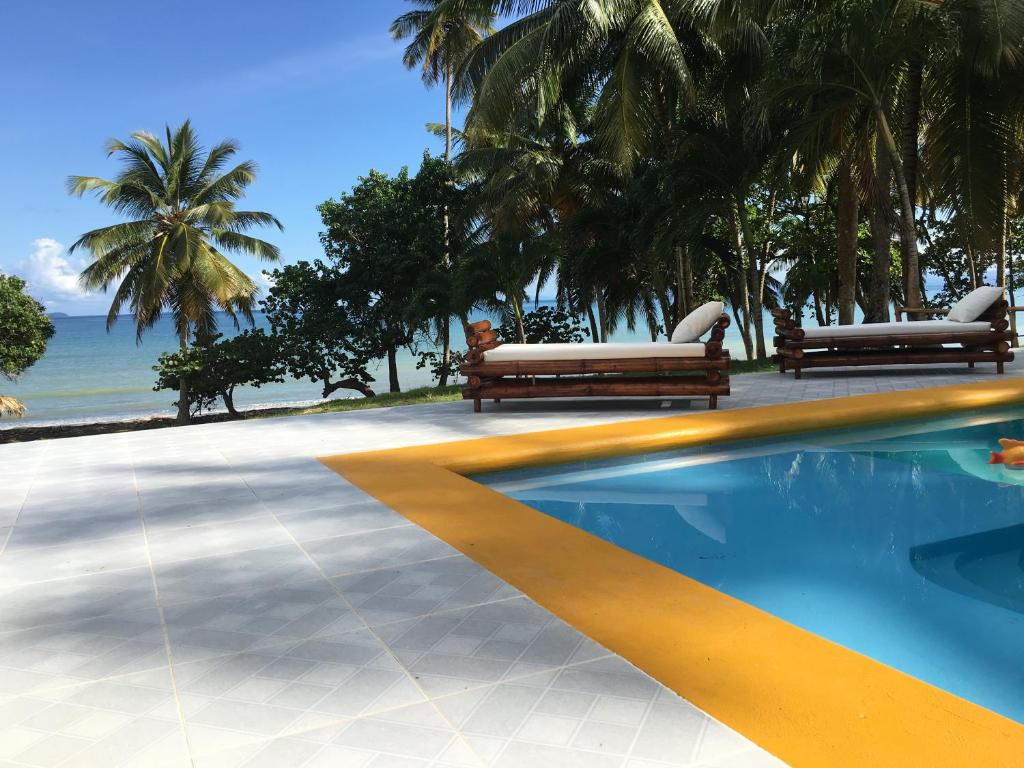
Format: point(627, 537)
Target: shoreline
point(32, 433)
point(418, 396)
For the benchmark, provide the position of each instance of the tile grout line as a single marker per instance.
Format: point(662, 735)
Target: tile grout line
point(284, 642)
point(298, 732)
point(533, 709)
point(698, 743)
point(168, 530)
point(379, 639)
point(648, 707)
point(232, 552)
point(21, 507)
point(627, 755)
point(163, 625)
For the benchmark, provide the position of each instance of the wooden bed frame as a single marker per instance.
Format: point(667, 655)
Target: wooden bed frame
point(668, 376)
point(794, 352)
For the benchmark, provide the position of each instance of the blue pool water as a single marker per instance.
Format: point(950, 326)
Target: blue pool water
point(901, 543)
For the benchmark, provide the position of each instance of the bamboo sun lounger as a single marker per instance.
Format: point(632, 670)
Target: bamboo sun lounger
point(495, 371)
point(978, 337)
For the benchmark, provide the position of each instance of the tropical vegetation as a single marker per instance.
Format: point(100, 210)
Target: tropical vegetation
point(214, 367)
point(634, 157)
point(645, 155)
point(181, 203)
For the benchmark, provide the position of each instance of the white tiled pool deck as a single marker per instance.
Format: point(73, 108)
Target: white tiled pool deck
point(213, 596)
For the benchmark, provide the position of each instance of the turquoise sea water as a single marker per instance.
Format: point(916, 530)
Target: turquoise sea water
point(88, 374)
point(903, 544)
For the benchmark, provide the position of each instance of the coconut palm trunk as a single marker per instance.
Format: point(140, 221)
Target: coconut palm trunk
point(741, 297)
point(602, 316)
point(687, 269)
point(184, 414)
point(517, 311)
point(446, 330)
point(880, 287)
point(908, 223)
point(755, 312)
point(1001, 234)
point(682, 299)
point(847, 225)
point(595, 334)
point(912, 100)
point(669, 315)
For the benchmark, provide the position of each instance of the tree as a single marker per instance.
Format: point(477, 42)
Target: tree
point(439, 201)
point(372, 236)
point(545, 325)
point(313, 328)
point(181, 204)
point(842, 73)
point(642, 154)
point(973, 137)
point(24, 332)
point(214, 368)
point(444, 33)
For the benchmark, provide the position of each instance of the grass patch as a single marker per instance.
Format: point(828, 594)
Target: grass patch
point(421, 396)
point(751, 366)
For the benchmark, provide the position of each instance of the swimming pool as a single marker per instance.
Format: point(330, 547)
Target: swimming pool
point(902, 543)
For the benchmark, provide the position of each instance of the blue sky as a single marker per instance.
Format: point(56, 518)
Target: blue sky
point(314, 90)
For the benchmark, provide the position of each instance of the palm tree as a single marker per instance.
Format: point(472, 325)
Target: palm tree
point(643, 57)
point(857, 58)
point(170, 255)
point(640, 67)
point(444, 33)
point(973, 134)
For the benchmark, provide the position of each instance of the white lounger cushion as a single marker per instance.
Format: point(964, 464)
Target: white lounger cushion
point(508, 353)
point(974, 303)
point(901, 329)
point(698, 322)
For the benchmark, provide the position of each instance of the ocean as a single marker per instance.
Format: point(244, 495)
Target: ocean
point(88, 374)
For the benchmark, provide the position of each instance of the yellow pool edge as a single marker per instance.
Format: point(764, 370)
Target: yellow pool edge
point(803, 698)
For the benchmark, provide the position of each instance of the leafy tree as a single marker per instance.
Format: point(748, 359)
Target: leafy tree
point(215, 367)
point(181, 203)
point(443, 33)
point(316, 336)
point(438, 197)
point(545, 325)
point(372, 236)
point(24, 332)
point(974, 140)
point(441, 368)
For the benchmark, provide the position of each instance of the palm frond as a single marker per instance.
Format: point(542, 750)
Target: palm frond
point(11, 406)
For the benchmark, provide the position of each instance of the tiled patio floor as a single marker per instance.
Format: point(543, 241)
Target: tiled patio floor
point(213, 596)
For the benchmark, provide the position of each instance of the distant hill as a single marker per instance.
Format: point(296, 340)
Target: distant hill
point(57, 314)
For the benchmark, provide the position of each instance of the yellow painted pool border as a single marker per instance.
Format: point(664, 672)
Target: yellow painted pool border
point(804, 698)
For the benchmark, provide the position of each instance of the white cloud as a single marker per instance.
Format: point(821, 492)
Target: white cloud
point(51, 274)
point(264, 280)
